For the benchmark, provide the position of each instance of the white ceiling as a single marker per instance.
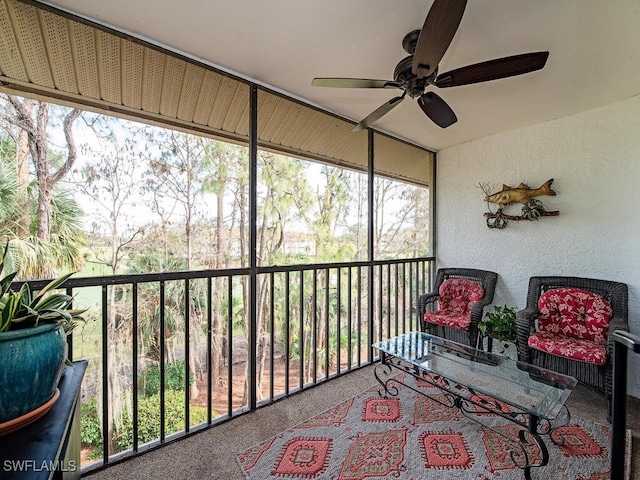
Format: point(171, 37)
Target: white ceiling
point(594, 50)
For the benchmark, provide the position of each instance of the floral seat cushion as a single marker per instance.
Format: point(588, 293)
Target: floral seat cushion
point(569, 347)
point(573, 323)
point(456, 296)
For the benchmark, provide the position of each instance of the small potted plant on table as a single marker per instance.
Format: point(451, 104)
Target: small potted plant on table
point(499, 324)
point(33, 347)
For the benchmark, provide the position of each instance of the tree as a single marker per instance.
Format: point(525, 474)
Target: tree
point(31, 125)
point(226, 162)
point(329, 216)
point(109, 180)
point(331, 211)
point(415, 238)
point(386, 221)
point(357, 226)
point(33, 118)
point(9, 183)
point(179, 172)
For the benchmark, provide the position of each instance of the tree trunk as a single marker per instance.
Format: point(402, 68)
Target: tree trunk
point(245, 284)
point(261, 340)
point(309, 322)
point(39, 154)
point(216, 332)
point(193, 387)
point(22, 168)
point(216, 327)
point(322, 324)
point(113, 378)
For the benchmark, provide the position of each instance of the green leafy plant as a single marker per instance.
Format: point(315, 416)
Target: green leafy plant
point(173, 379)
point(149, 418)
point(499, 324)
point(90, 428)
point(24, 309)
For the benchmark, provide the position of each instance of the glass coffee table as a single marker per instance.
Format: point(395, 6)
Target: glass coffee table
point(478, 382)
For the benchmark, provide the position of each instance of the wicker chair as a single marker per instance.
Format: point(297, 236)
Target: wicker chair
point(597, 377)
point(427, 303)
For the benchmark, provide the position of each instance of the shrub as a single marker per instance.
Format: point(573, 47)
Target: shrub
point(149, 418)
point(173, 378)
point(148, 421)
point(90, 431)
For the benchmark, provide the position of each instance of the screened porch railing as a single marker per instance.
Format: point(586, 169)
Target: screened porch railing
point(312, 323)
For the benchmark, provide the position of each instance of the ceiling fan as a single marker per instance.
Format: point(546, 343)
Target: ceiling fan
point(419, 70)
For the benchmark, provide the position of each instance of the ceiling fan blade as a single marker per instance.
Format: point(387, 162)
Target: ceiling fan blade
point(437, 109)
point(493, 69)
point(353, 83)
point(374, 116)
point(437, 32)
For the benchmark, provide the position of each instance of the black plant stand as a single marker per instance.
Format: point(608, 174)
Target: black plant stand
point(49, 448)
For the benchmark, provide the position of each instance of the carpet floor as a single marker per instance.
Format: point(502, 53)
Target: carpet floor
point(210, 454)
point(411, 436)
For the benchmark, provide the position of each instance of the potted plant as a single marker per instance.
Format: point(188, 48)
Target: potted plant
point(33, 347)
point(499, 324)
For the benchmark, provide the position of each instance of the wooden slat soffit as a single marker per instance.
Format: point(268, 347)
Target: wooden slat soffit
point(48, 54)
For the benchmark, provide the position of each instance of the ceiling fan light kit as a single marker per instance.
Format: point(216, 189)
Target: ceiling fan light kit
point(415, 73)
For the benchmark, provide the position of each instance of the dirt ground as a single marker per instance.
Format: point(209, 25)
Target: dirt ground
point(219, 399)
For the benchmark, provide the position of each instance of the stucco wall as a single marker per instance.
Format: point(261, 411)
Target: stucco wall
point(594, 158)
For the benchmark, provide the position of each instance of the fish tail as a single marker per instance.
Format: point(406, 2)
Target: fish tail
point(545, 189)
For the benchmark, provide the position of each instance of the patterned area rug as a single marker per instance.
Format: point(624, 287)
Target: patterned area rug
point(414, 438)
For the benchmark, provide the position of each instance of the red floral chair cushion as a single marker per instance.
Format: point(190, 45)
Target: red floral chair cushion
point(573, 323)
point(569, 347)
point(456, 296)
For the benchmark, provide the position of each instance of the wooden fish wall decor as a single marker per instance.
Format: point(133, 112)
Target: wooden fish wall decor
point(532, 208)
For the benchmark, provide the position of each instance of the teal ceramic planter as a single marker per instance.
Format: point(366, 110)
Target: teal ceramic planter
point(31, 364)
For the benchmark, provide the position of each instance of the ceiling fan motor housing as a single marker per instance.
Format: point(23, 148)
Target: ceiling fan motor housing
point(410, 83)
